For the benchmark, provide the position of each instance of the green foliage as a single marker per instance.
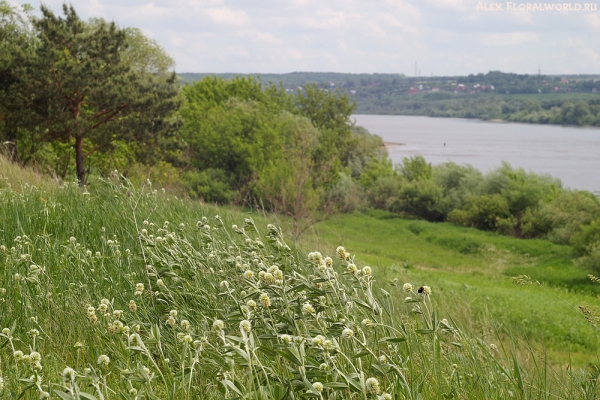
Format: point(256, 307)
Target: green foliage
point(375, 169)
point(457, 181)
point(72, 85)
point(163, 296)
point(560, 218)
point(422, 198)
point(282, 151)
point(292, 180)
point(415, 168)
point(211, 185)
point(586, 238)
point(482, 212)
point(521, 190)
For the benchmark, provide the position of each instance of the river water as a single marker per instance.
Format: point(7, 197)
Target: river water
point(569, 153)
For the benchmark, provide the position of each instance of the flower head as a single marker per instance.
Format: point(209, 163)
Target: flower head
point(265, 301)
point(103, 360)
point(218, 325)
point(307, 308)
point(318, 386)
point(347, 333)
point(372, 386)
point(245, 326)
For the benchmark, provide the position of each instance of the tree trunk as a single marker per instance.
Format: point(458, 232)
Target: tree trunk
point(79, 160)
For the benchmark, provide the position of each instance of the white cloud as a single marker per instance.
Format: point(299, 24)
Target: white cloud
point(226, 15)
point(446, 37)
point(449, 4)
point(509, 38)
point(593, 21)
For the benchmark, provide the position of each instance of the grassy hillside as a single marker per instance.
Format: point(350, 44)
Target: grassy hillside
point(123, 292)
point(474, 270)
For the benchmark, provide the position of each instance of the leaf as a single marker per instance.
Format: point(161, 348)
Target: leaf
point(290, 357)
point(361, 354)
point(336, 385)
point(87, 396)
point(393, 339)
point(424, 331)
point(63, 395)
point(228, 384)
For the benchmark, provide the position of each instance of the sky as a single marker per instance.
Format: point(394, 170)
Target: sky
point(442, 37)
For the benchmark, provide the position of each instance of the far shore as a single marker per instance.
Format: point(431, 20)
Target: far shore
point(393, 144)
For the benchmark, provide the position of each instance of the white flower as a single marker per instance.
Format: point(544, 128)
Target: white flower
point(318, 386)
point(426, 290)
point(318, 340)
point(307, 308)
point(249, 274)
point(347, 333)
point(407, 287)
point(372, 386)
point(264, 299)
point(341, 252)
point(68, 374)
point(246, 326)
point(218, 325)
point(103, 360)
point(367, 271)
point(287, 338)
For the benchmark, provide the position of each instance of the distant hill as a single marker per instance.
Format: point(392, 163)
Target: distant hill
point(546, 99)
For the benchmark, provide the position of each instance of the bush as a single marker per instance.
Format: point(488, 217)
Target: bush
point(561, 218)
point(384, 193)
point(347, 195)
point(457, 181)
point(483, 212)
point(415, 168)
point(210, 185)
point(423, 199)
point(586, 238)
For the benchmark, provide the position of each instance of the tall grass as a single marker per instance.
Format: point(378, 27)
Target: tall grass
point(123, 292)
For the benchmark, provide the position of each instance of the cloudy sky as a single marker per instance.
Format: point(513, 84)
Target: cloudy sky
point(444, 37)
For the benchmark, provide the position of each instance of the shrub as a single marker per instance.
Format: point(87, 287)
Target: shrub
point(211, 185)
point(483, 212)
point(562, 217)
point(422, 198)
point(415, 168)
point(384, 192)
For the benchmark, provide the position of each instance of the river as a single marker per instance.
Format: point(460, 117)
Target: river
point(569, 153)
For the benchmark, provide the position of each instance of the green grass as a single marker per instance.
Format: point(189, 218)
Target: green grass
point(479, 336)
point(478, 267)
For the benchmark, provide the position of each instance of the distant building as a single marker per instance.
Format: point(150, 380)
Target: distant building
point(413, 90)
point(435, 89)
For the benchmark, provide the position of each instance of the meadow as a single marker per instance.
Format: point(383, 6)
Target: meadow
point(117, 291)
